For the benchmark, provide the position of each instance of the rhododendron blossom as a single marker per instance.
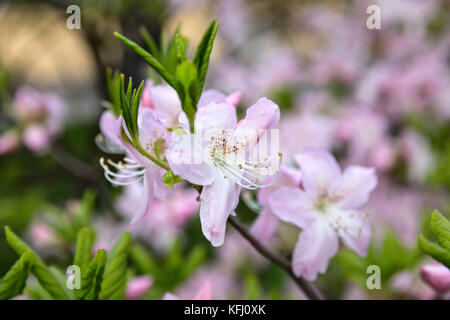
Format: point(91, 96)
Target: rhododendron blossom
point(220, 157)
point(326, 207)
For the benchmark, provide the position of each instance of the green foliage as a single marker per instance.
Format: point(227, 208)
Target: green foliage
point(91, 279)
point(170, 271)
point(114, 277)
point(201, 58)
point(113, 85)
point(391, 257)
point(440, 228)
point(169, 179)
point(39, 269)
point(172, 64)
point(14, 281)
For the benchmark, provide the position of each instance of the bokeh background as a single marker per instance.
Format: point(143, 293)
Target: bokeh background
point(377, 98)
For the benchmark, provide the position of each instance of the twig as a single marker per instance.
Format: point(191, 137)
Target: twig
point(310, 291)
point(73, 164)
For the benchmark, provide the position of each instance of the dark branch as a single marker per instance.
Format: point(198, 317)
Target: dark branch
point(310, 291)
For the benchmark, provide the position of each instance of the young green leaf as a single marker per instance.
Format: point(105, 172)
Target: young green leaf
point(39, 269)
point(186, 77)
point(114, 277)
point(144, 261)
point(14, 281)
point(152, 62)
point(92, 278)
point(201, 58)
point(434, 250)
point(440, 227)
point(148, 39)
point(180, 48)
point(169, 179)
point(60, 277)
point(85, 239)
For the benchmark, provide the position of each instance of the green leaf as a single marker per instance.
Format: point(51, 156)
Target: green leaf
point(440, 227)
point(434, 250)
point(85, 240)
point(114, 278)
point(42, 273)
point(179, 131)
point(62, 280)
point(144, 261)
point(14, 281)
point(135, 107)
point(187, 85)
point(194, 259)
point(92, 279)
point(83, 215)
point(148, 39)
point(152, 62)
point(159, 148)
point(180, 48)
point(169, 179)
point(201, 58)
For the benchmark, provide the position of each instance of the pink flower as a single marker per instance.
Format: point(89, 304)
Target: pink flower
point(167, 216)
point(137, 287)
point(159, 110)
point(326, 207)
point(436, 276)
point(266, 223)
point(40, 114)
point(9, 141)
point(36, 138)
point(42, 235)
point(216, 157)
point(204, 293)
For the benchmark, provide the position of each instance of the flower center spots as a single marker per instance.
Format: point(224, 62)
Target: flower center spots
point(231, 156)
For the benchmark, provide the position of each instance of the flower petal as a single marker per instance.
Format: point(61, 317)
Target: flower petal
point(354, 229)
point(265, 225)
point(354, 187)
point(320, 170)
point(165, 101)
point(145, 200)
point(313, 251)
point(292, 205)
point(110, 128)
point(218, 201)
point(185, 157)
point(264, 114)
point(215, 116)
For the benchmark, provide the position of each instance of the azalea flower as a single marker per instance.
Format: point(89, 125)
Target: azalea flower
point(326, 207)
point(159, 109)
point(220, 157)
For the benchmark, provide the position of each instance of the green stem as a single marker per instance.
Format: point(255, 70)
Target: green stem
point(160, 163)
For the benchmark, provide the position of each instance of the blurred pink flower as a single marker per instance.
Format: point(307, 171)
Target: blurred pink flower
point(217, 166)
point(9, 141)
point(137, 287)
point(36, 138)
point(326, 207)
point(436, 276)
point(166, 217)
point(204, 293)
point(40, 114)
point(42, 235)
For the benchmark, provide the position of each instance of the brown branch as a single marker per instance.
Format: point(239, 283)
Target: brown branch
point(310, 291)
